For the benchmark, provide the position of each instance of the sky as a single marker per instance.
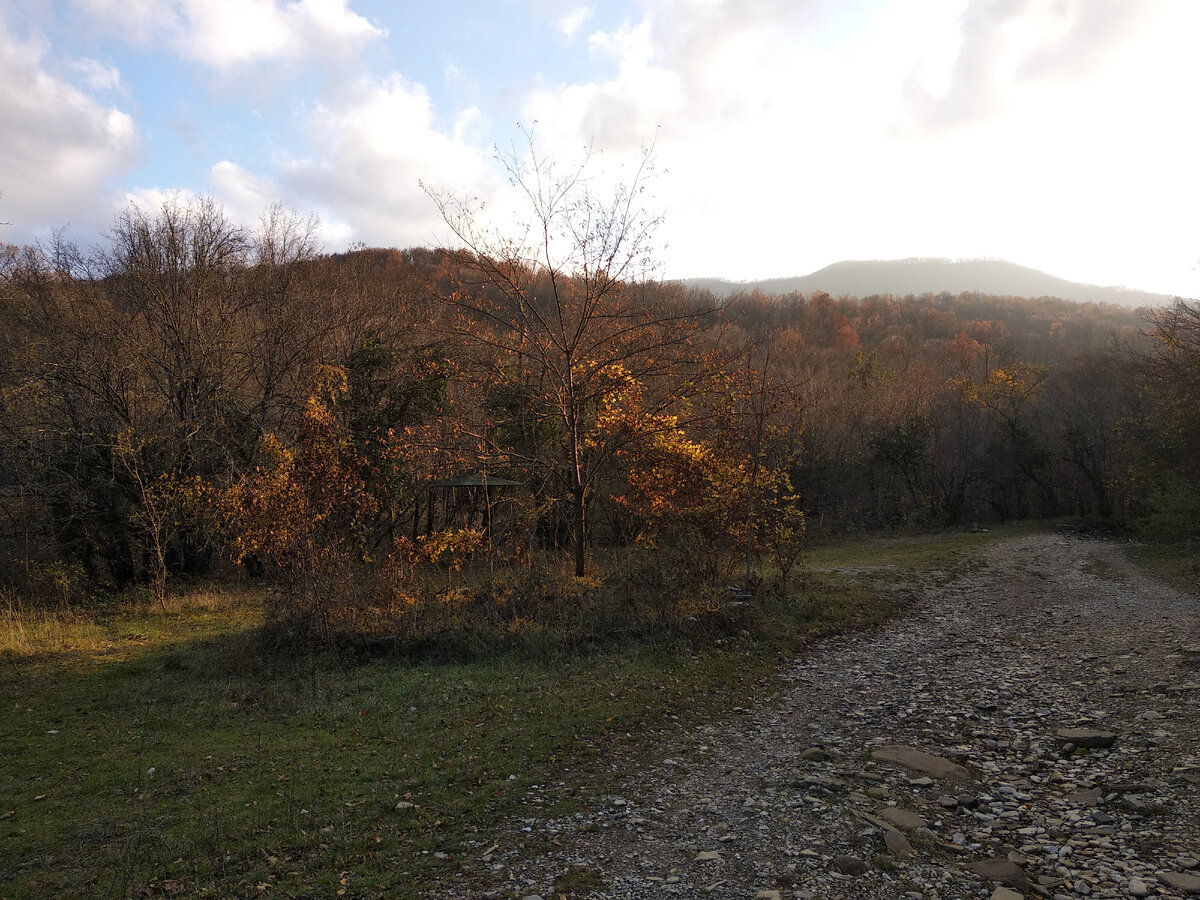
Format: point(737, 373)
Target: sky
point(786, 134)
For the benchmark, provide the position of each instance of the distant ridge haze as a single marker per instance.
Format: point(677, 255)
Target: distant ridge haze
point(862, 278)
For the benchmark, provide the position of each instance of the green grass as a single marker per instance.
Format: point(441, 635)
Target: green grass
point(1177, 564)
point(164, 754)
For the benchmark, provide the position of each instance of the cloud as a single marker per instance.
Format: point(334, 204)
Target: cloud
point(98, 76)
point(574, 20)
point(60, 148)
point(1009, 45)
point(687, 66)
point(369, 152)
point(226, 34)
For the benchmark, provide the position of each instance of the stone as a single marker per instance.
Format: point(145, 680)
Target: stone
point(849, 865)
point(1137, 888)
point(1003, 893)
point(1181, 881)
point(814, 754)
point(898, 845)
point(902, 818)
point(1087, 738)
point(1086, 798)
point(1000, 870)
point(768, 895)
point(920, 761)
point(708, 856)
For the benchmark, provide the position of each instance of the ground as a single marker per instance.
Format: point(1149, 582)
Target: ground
point(1010, 671)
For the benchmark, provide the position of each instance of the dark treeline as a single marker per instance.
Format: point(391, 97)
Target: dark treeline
point(196, 392)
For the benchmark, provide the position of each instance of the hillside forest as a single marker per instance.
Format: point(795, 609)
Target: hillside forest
point(401, 441)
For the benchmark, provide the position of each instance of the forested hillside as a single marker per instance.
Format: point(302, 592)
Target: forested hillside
point(196, 396)
point(861, 278)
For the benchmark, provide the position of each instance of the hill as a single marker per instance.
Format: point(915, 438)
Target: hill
point(862, 278)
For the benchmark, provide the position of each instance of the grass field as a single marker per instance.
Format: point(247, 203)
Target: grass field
point(166, 754)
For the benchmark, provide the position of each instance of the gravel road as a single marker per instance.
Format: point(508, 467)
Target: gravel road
point(1053, 694)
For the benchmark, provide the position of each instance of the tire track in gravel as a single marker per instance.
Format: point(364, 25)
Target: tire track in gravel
point(785, 800)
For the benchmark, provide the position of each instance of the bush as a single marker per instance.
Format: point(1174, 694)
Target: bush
point(1173, 513)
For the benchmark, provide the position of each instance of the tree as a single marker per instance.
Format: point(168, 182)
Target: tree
point(1172, 451)
point(306, 511)
point(559, 314)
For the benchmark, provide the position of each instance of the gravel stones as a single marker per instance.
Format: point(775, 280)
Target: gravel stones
point(983, 673)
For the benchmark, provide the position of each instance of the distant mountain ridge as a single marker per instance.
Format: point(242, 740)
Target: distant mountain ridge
point(898, 277)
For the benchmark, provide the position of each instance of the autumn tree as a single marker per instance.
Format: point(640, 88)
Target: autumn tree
point(556, 308)
point(1172, 442)
point(306, 510)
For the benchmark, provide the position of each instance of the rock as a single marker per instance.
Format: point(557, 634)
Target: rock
point(1137, 888)
point(767, 895)
point(1000, 870)
point(403, 805)
point(708, 856)
point(1181, 881)
point(1086, 798)
point(814, 754)
point(902, 818)
point(849, 865)
point(920, 761)
point(1003, 893)
point(1087, 738)
point(897, 844)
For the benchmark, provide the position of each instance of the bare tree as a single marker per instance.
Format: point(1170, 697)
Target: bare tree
point(559, 307)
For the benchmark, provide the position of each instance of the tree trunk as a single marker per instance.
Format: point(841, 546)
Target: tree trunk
point(578, 527)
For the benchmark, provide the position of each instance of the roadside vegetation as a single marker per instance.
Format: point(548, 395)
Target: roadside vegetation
point(177, 753)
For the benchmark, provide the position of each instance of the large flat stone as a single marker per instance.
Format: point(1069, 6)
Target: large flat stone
point(902, 818)
point(1088, 738)
point(920, 761)
point(1181, 881)
point(897, 844)
point(849, 865)
point(999, 870)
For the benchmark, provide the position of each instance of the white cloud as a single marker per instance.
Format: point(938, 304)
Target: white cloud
point(370, 152)
point(1005, 46)
point(574, 20)
point(98, 76)
point(1051, 132)
point(243, 194)
point(60, 148)
point(225, 34)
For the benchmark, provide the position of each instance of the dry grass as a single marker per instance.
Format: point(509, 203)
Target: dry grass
point(29, 628)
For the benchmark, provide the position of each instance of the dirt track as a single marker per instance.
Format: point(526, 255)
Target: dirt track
point(786, 800)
